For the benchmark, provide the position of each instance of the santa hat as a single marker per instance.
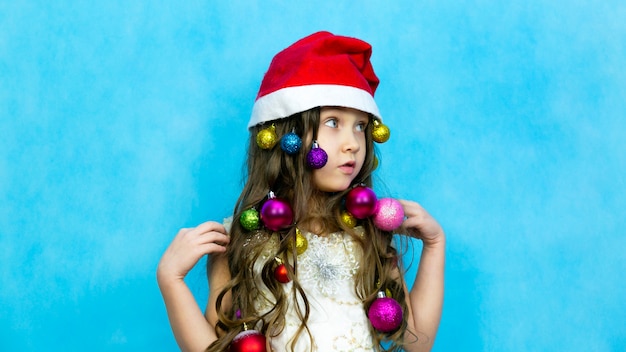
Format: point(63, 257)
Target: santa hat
point(322, 69)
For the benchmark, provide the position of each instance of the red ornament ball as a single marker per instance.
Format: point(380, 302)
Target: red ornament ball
point(389, 214)
point(361, 202)
point(281, 274)
point(276, 214)
point(248, 341)
point(385, 314)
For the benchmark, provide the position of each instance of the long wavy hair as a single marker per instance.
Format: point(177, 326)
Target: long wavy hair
point(290, 178)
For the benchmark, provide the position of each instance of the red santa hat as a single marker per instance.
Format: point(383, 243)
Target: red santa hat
point(322, 69)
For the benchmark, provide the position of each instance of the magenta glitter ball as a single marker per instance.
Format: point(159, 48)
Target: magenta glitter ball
point(389, 214)
point(385, 314)
point(276, 214)
point(248, 341)
point(361, 202)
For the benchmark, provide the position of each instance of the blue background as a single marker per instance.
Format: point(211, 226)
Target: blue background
point(121, 122)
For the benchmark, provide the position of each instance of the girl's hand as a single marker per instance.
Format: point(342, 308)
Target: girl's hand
point(420, 224)
point(188, 247)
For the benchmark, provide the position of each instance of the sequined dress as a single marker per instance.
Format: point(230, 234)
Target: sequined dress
point(326, 271)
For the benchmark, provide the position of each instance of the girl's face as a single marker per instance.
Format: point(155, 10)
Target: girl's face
point(342, 135)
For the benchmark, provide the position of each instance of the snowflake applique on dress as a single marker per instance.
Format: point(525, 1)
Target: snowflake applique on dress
point(328, 261)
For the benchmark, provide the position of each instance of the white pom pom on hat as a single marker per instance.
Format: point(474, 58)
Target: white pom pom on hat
point(321, 69)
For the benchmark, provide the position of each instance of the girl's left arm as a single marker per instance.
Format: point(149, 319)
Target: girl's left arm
point(425, 301)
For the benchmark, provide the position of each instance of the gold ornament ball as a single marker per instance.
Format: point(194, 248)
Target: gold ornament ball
point(380, 132)
point(301, 242)
point(267, 138)
point(348, 219)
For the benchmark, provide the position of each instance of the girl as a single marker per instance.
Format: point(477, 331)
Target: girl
point(308, 262)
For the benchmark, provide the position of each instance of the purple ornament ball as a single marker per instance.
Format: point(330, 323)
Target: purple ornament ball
point(361, 202)
point(316, 158)
point(385, 314)
point(276, 214)
point(389, 214)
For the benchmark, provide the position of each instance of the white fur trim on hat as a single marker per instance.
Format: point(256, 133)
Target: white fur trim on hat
point(288, 101)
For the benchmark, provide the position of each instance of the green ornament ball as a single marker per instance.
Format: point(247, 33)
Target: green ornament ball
point(249, 219)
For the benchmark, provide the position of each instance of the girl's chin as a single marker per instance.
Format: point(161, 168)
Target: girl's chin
point(335, 189)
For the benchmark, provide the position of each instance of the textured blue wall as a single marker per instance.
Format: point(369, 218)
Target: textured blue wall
point(121, 122)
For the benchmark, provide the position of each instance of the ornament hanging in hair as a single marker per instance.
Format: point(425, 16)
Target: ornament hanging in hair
point(380, 132)
point(300, 244)
point(385, 313)
point(317, 157)
point(276, 213)
point(291, 143)
point(249, 219)
point(248, 340)
point(281, 272)
point(267, 138)
point(361, 202)
point(348, 219)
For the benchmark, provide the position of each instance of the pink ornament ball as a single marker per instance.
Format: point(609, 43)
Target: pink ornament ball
point(389, 214)
point(361, 202)
point(248, 341)
point(385, 314)
point(276, 214)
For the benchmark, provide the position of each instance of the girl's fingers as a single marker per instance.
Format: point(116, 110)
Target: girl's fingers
point(209, 248)
point(419, 223)
point(205, 243)
point(210, 226)
point(213, 237)
point(207, 232)
point(411, 208)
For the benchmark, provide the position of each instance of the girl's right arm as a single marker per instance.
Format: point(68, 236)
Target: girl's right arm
point(192, 330)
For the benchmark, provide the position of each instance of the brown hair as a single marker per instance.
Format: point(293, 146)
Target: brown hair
point(289, 178)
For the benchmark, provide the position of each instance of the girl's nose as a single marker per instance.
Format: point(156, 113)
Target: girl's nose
point(350, 142)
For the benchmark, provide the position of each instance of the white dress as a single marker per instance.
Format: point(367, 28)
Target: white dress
point(326, 271)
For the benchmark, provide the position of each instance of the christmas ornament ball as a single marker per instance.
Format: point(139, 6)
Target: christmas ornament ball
point(301, 243)
point(276, 214)
point(267, 138)
point(290, 143)
point(361, 202)
point(249, 219)
point(388, 215)
point(385, 314)
point(248, 341)
point(348, 219)
point(281, 274)
point(380, 132)
point(317, 157)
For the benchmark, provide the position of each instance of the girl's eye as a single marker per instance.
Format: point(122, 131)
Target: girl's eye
point(361, 126)
point(331, 123)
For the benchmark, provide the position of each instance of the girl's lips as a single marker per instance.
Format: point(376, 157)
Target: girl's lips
point(347, 168)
